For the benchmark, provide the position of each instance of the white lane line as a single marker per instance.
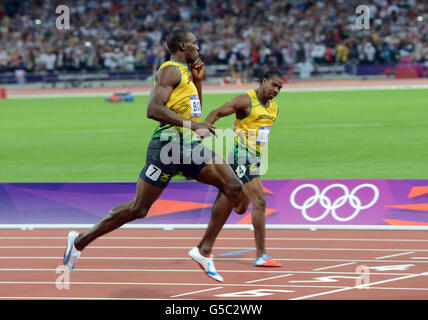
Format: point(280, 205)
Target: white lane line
point(270, 278)
point(335, 266)
point(184, 258)
point(394, 255)
point(109, 298)
point(193, 292)
point(168, 284)
point(365, 286)
point(394, 288)
point(419, 258)
point(217, 248)
point(224, 238)
point(77, 298)
point(286, 272)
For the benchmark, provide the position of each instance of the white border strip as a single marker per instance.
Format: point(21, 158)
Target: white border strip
point(227, 226)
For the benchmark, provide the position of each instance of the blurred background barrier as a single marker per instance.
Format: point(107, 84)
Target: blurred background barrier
point(126, 40)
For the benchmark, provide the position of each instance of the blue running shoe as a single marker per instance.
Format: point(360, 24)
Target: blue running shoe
point(71, 253)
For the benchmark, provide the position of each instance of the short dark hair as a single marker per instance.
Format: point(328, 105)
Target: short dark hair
point(270, 74)
point(174, 39)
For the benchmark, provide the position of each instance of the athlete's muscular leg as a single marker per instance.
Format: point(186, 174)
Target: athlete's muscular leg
point(242, 203)
point(222, 177)
point(255, 192)
point(146, 195)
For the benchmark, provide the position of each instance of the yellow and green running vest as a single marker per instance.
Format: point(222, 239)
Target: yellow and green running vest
point(184, 99)
point(252, 132)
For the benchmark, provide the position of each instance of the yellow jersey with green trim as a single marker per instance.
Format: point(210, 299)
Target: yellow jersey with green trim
point(252, 132)
point(184, 99)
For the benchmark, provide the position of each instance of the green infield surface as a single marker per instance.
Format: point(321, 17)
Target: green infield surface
point(373, 134)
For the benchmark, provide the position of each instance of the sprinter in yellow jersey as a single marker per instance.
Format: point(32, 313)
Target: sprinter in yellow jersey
point(256, 112)
point(175, 102)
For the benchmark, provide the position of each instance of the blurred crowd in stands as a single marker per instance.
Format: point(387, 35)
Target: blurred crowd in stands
point(129, 35)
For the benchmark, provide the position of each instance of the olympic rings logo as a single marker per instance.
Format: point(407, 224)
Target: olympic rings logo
point(332, 206)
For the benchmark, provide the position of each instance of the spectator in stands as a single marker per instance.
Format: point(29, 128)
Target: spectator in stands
point(305, 68)
point(366, 52)
point(342, 52)
point(129, 61)
point(425, 51)
point(48, 60)
point(222, 55)
point(280, 33)
point(4, 60)
point(110, 60)
point(318, 52)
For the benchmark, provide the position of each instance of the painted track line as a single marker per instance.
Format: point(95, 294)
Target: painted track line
point(52, 283)
point(242, 250)
point(286, 272)
point(395, 288)
point(360, 286)
point(166, 299)
point(187, 259)
point(77, 298)
point(335, 266)
point(394, 255)
point(270, 278)
point(193, 292)
point(224, 238)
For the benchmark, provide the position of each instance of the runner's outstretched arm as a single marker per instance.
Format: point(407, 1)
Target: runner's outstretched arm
point(240, 105)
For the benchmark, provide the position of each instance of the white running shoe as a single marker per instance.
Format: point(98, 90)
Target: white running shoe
point(71, 253)
point(206, 264)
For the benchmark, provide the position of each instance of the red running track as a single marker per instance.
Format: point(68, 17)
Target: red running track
point(153, 264)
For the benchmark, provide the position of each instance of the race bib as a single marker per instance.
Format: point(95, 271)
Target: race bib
point(240, 171)
point(153, 172)
point(195, 106)
point(263, 135)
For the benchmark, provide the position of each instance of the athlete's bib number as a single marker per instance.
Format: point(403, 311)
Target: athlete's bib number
point(153, 172)
point(195, 106)
point(263, 135)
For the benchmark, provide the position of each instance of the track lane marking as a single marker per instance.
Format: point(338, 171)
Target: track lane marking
point(335, 266)
point(224, 238)
point(219, 259)
point(166, 284)
point(286, 272)
point(360, 286)
point(270, 278)
point(394, 255)
point(193, 292)
point(217, 248)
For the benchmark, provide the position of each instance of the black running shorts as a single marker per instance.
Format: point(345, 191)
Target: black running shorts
point(246, 167)
point(165, 158)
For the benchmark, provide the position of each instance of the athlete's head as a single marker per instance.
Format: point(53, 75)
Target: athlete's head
point(181, 41)
point(271, 83)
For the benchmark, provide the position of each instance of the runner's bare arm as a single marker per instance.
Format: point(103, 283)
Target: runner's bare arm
point(198, 75)
point(166, 79)
point(240, 105)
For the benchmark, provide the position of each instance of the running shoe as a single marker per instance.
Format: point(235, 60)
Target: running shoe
point(206, 264)
point(71, 253)
point(266, 261)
